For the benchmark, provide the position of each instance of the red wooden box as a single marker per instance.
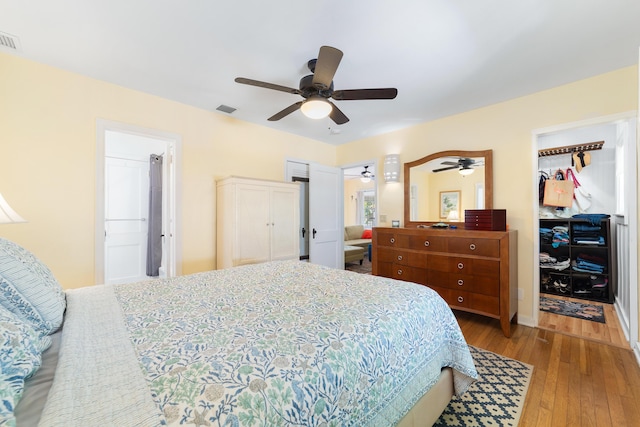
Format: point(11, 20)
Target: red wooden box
point(485, 219)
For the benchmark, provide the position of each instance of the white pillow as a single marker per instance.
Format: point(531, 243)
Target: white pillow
point(29, 290)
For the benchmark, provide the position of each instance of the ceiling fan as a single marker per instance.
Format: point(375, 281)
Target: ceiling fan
point(366, 175)
point(464, 165)
point(317, 88)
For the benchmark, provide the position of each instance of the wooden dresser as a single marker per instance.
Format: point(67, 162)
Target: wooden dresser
point(474, 271)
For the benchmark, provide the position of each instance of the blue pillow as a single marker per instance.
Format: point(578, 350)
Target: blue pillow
point(29, 290)
point(20, 358)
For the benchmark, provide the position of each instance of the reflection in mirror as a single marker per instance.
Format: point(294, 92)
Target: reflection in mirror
point(441, 186)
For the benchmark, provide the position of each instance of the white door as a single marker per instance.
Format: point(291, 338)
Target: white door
point(304, 219)
point(326, 245)
point(126, 205)
point(122, 194)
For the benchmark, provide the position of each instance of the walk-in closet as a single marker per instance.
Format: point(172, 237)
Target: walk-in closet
point(585, 202)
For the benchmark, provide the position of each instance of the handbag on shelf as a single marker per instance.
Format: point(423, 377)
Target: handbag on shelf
point(581, 197)
point(558, 191)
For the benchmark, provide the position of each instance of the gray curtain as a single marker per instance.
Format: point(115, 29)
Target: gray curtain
point(154, 234)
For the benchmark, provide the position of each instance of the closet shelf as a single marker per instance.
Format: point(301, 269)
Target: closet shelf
point(589, 146)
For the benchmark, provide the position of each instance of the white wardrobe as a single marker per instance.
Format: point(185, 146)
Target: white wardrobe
point(257, 221)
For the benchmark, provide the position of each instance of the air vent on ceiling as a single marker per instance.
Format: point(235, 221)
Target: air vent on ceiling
point(226, 109)
point(8, 41)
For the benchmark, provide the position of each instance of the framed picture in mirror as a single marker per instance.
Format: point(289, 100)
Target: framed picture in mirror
point(450, 205)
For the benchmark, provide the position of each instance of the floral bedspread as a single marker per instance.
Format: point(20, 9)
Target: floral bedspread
point(290, 343)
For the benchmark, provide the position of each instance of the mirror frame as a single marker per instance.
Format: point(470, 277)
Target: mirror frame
point(488, 179)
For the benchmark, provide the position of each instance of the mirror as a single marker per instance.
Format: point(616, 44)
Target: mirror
point(441, 186)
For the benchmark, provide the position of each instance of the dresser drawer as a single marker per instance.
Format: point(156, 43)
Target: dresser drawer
point(409, 274)
point(404, 257)
point(478, 303)
point(485, 304)
point(437, 278)
point(474, 266)
point(391, 239)
point(428, 243)
point(471, 246)
point(439, 263)
point(453, 297)
point(472, 283)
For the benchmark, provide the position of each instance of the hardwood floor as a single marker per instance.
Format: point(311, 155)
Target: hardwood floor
point(576, 381)
point(609, 332)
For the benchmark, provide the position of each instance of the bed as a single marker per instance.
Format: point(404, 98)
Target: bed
point(273, 344)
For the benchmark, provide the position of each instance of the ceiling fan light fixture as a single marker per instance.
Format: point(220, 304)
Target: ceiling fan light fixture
point(366, 175)
point(466, 170)
point(316, 107)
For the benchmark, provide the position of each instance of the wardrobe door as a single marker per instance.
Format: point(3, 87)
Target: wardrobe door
point(285, 223)
point(253, 229)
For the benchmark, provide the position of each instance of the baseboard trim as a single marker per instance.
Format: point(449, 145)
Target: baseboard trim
point(526, 321)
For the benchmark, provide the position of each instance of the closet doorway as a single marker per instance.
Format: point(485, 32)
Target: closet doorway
point(133, 166)
point(609, 177)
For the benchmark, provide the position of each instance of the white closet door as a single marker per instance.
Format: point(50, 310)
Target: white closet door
point(326, 186)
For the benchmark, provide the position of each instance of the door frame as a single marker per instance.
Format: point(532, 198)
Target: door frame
point(174, 156)
point(377, 177)
point(633, 216)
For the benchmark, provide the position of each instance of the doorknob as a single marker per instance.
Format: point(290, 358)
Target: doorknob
point(314, 233)
point(303, 231)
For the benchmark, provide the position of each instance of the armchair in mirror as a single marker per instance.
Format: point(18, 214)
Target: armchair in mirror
point(441, 186)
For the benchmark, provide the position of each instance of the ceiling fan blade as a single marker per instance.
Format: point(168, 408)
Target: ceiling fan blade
point(290, 109)
point(449, 163)
point(353, 94)
point(337, 116)
point(446, 169)
point(328, 60)
point(267, 85)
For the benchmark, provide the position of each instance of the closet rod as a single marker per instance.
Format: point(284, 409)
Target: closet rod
point(589, 146)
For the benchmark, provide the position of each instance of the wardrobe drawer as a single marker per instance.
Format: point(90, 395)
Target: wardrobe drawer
point(473, 246)
point(474, 266)
point(471, 283)
point(428, 243)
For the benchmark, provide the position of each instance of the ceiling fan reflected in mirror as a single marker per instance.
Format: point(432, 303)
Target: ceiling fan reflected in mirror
point(464, 165)
point(317, 88)
point(366, 175)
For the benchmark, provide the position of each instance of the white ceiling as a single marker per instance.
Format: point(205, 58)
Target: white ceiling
point(444, 56)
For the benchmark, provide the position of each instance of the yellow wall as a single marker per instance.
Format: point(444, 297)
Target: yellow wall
point(506, 128)
point(48, 137)
point(48, 161)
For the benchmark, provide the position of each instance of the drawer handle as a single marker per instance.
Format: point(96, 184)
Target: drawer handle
point(460, 299)
point(399, 272)
point(472, 247)
point(392, 240)
point(426, 243)
point(460, 282)
point(460, 266)
point(399, 257)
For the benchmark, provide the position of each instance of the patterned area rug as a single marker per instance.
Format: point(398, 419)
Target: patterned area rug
point(365, 268)
point(496, 399)
point(593, 312)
